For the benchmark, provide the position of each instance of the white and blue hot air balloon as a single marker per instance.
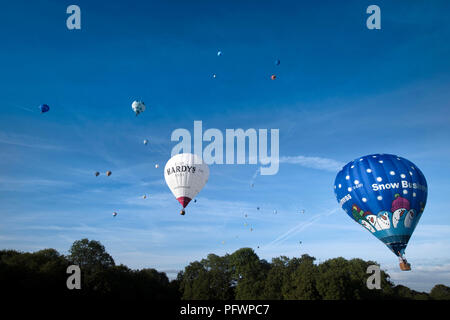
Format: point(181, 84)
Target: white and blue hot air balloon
point(138, 107)
point(385, 194)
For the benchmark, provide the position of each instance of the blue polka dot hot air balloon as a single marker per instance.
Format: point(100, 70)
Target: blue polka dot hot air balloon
point(44, 108)
point(385, 194)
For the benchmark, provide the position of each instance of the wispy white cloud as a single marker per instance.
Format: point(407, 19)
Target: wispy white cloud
point(314, 162)
point(27, 141)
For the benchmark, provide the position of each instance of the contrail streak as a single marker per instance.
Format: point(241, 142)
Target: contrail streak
point(301, 226)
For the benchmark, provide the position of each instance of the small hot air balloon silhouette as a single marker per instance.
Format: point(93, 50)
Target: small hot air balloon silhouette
point(97, 174)
point(44, 108)
point(138, 107)
point(156, 166)
point(145, 141)
point(108, 173)
point(273, 77)
point(385, 194)
point(277, 62)
point(114, 214)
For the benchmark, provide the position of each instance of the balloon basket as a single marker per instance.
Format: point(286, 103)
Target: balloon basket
point(404, 266)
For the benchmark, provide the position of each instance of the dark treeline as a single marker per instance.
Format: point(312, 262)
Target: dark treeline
point(240, 275)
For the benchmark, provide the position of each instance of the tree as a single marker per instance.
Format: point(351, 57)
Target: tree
point(301, 281)
point(249, 273)
point(440, 292)
point(195, 283)
point(90, 254)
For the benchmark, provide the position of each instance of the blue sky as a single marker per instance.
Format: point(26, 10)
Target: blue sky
point(342, 91)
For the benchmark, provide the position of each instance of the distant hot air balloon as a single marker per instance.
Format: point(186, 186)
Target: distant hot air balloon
point(44, 108)
point(386, 194)
point(97, 174)
point(108, 173)
point(156, 166)
point(145, 141)
point(138, 107)
point(186, 174)
point(273, 77)
point(219, 53)
point(114, 214)
point(277, 62)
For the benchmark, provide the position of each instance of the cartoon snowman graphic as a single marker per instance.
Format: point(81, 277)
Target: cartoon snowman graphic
point(401, 210)
point(367, 225)
point(372, 220)
point(383, 220)
point(409, 218)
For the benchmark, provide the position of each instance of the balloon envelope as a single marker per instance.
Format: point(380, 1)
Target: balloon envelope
point(138, 106)
point(186, 174)
point(385, 194)
point(44, 108)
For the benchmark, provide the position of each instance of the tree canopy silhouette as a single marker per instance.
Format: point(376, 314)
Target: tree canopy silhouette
point(241, 275)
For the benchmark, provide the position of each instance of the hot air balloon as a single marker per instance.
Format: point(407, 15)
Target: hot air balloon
point(219, 53)
point(44, 108)
point(145, 141)
point(97, 174)
point(273, 77)
point(156, 166)
point(186, 174)
point(277, 62)
point(108, 173)
point(386, 194)
point(138, 107)
point(114, 214)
